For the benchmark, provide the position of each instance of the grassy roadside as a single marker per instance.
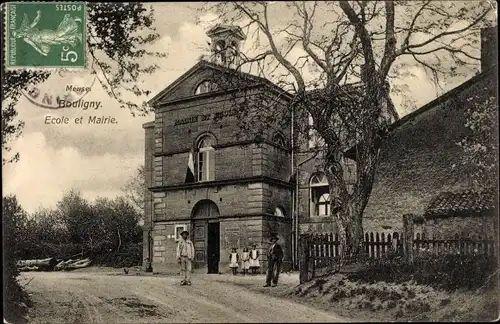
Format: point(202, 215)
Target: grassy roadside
point(398, 302)
point(378, 302)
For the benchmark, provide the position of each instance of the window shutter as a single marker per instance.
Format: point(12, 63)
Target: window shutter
point(211, 165)
point(200, 166)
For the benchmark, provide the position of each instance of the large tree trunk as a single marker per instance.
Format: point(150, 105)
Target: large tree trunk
point(350, 227)
point(343, 207)
point(37, 264)
point(49, 262)
point(347, 207)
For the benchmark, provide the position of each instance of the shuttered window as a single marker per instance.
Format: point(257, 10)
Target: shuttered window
point(206, 159)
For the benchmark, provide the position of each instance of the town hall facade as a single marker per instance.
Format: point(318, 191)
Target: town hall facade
point(241, 192)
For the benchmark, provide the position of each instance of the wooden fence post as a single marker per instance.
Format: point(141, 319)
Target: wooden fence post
point(304, 242)
point(408, 237)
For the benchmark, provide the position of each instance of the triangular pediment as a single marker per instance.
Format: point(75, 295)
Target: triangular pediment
point(185, 86)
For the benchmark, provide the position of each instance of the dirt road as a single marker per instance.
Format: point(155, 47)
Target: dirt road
point(93, 297)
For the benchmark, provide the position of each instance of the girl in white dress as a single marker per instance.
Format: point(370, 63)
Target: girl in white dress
point(254, 259)
point(233, 260)
point(245, 260)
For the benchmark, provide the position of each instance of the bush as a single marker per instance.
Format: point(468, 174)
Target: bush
point(15, 298)
point(129, 255)
point(105, 231)
point(449, 272)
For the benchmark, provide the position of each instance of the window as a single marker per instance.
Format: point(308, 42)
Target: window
point(279, 139)
point(206, 159)
point(320, 195)
point(226, 52)
point(315, 140)
point(324, 204)
point(206, 86)
point(279, 212)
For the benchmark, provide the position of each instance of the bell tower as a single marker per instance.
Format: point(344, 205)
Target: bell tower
point(225, 42)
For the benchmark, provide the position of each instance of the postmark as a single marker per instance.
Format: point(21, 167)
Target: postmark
point(64, 89)
point(45, 35)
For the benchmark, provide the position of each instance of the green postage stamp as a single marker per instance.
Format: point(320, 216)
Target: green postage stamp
point(45, 35)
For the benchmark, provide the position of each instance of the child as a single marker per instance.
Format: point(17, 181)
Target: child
point(233, 260)
point(254, 259)
point(245, 260)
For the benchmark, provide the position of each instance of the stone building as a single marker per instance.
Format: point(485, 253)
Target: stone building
point(240, 193)
point(247, 188)
point(460, 214)
point(421, 159)
point(421, 170)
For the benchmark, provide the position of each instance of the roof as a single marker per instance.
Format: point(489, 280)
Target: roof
point(411, 117)
point(356, 88)
point(243, 77)
point(420, 158)
point(219, 29)
point(467, 202)
point(450, 94)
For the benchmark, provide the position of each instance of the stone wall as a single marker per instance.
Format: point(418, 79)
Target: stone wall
point(148, 203)
point(464, 227)
point(234, 233)
point(164, 246)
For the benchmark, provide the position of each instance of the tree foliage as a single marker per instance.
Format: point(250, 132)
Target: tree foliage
point(135, 189)
point(13, 226)
point(481, 146)
point(106, 231)
point(118, 35)
point(339, 60)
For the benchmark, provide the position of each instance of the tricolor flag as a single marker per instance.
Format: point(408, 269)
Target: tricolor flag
point(190, 169)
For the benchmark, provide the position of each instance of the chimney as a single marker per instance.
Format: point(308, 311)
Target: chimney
point(489, 51)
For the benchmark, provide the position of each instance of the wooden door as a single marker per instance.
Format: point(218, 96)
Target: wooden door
point(204, 211)
point(200, 238)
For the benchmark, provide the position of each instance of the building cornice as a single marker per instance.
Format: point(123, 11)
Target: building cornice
point(248, 215)
point(219, 183)
point(225, 145)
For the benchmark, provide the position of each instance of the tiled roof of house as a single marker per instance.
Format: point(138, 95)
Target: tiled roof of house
point(462, 202)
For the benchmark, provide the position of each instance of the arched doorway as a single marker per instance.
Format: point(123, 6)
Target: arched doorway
point(206, 235)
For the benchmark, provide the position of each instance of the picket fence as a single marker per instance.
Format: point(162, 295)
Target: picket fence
point(320, 253)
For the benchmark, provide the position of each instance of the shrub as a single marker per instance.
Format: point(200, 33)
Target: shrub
point(449, 272)
point(15, 298)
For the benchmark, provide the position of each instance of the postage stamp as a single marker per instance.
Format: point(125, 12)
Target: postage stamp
point(45, 35)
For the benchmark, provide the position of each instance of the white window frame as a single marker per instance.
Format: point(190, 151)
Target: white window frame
point(205, 86)
point(318, 180)
point(178, 230)
point(323, 202)
point(205, 157)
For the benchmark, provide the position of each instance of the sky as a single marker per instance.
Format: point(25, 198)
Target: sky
point(98, 160)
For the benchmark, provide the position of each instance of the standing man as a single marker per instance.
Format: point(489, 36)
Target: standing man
point(185, 254)
point(274, 259)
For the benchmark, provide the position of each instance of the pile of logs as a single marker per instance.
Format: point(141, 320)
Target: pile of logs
point(72, 264)
point(52, 264)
